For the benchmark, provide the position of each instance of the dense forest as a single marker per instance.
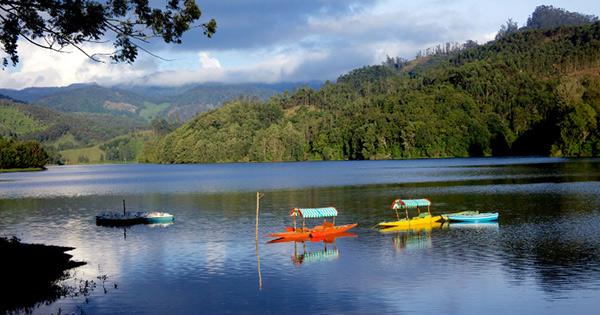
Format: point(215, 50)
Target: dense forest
point(533, 91)
point(21, 154)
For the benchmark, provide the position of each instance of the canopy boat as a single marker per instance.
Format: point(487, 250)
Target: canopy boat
point(474, 217)
point(318, 232)
point(422, 219)
point(327, 239)
point(414, 228)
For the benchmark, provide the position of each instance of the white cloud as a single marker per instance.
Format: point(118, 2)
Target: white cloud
point(299, 45)
point(273, 68)
point(42, 67)
point(208, 62)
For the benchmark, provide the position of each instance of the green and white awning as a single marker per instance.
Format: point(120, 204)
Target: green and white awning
point(311, 213)
point(410, 203)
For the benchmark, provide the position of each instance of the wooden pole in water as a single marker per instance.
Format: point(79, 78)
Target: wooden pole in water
point(258, 196)
point(123, 207)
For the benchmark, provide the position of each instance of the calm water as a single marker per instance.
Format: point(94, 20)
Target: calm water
point(543, 257)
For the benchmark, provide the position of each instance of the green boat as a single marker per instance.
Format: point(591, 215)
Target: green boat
point(158, 217)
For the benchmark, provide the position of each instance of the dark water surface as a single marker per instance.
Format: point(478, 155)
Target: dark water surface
point(543, 256)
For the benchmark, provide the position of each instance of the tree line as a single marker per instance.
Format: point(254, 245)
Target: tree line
point(21, 154)
point(530, 92)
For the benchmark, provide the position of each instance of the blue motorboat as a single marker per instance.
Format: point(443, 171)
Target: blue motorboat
point(473, 217)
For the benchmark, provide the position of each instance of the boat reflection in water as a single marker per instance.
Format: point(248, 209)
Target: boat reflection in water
point(488, 226)
point(413, 238)
point(329, 251)
point(159, 225)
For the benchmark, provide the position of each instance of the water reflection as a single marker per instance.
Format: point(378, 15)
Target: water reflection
point(328, 252)
point(488, 226)
point(563, 255)
point(542, 257)
point(413, 238)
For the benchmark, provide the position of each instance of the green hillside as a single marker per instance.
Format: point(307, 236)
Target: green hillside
point(59, 131)
point(16, 122)
point(534, 91)
point(173, 103)
point(121, 149)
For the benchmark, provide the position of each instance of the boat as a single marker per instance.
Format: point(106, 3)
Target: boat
point(474, 217)
point(322, 231)
point(158, 217)
point(415, 228)
point(120, 219)
point(328, 239)
point(132, 218)
point(422, 219)
point(445, 215)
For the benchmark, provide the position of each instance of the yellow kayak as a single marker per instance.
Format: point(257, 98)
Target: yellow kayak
point(413, 222)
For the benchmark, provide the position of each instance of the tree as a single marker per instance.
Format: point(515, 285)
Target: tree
point(547, 16)
point(506, 29)
point(59, 24)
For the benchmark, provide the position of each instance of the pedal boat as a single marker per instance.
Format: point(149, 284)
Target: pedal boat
point(421, 220)
point(328, 228)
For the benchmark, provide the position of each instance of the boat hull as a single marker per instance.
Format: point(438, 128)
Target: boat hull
point(120, 219)
point(318, 232)
point(132, 218)
point(481, 217)
point(118, 222)
point(165, 219)
point(445, 215)
point(413, 229)
point(411, 223)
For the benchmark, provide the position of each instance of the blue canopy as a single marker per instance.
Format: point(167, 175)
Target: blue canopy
point(311, 213)
point(410, 203)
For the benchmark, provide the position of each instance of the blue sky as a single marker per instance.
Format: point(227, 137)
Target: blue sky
point(280, 40)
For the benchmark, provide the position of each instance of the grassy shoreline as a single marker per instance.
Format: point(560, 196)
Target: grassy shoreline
point(29, 169)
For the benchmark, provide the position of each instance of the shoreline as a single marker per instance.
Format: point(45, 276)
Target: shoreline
point(35, 270)
point(28, 169)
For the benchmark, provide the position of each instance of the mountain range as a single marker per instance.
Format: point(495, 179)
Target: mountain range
point(146, 102)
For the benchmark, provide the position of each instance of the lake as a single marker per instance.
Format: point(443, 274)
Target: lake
point(542, 257)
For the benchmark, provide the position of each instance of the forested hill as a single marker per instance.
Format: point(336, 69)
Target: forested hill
point(534, 91)
point(145, 102)
point(61, 130)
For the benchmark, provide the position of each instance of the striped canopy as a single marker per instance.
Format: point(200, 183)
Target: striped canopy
point(311, 213)
point(410, 203)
